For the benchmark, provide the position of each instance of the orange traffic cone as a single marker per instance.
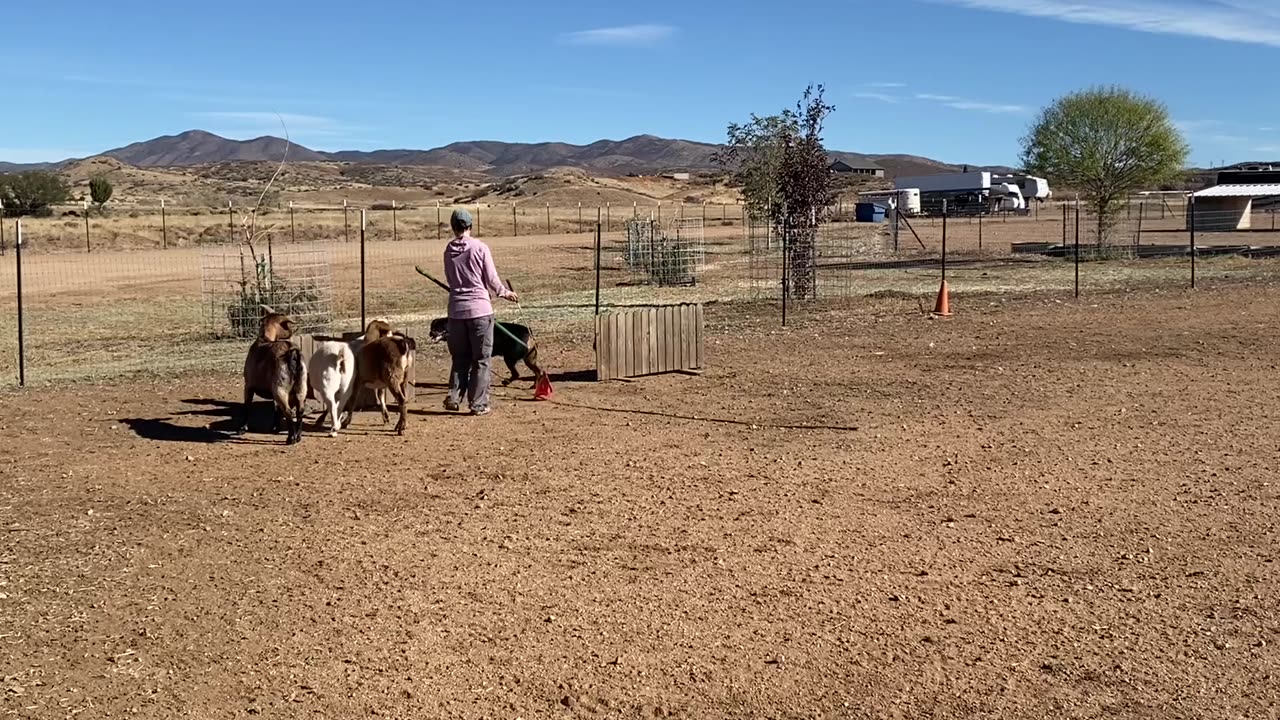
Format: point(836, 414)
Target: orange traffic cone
point(943, 307)
point(542, 388)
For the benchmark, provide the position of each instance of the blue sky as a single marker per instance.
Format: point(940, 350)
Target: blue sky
point(958, 80)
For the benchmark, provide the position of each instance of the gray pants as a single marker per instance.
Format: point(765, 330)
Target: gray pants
point(470, 345)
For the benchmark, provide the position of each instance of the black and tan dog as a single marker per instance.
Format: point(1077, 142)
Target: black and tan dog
point(504, 346)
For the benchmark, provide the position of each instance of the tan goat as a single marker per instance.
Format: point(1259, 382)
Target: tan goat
point(382, 363)
point(273, 369)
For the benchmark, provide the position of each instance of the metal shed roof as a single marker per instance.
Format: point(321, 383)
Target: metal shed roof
point(1250, 190)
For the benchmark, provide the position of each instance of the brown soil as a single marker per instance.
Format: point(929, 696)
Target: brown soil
point(1034, 509)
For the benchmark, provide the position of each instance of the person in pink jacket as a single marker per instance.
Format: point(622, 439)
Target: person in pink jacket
point(471, 275)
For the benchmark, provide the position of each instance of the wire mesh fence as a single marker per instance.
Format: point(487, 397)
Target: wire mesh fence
point(663, 256)
point(236, 283)
point(169, 305)
point(813, 263)
point(167, 227)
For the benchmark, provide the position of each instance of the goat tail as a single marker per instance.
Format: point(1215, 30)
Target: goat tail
point(297, 373)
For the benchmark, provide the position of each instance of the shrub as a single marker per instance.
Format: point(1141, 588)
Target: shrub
point(266, 287)
point(100, 190)
point(32, 193)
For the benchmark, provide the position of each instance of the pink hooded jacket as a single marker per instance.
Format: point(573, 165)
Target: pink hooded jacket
point(471, 275)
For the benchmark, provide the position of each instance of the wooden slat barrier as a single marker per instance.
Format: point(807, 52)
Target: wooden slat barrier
point(633, 342)
point(365, 400)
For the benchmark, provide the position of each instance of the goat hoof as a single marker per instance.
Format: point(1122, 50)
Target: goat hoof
point(333, 433)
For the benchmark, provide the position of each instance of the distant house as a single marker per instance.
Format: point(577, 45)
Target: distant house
point(865, 167)
point(676, 175)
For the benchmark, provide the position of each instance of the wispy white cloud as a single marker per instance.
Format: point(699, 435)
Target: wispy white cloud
point(1244, 21)
point(257, 118)
point(959, 103)
point(886, 85)
point(882, 97)
point(644, 35)
point(314, 131)
point(1192, 126)
point(588, 92)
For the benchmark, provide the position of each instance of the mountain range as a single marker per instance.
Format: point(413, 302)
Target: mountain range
point(641, 154)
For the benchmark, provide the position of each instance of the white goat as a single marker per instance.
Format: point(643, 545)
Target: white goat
point(332, 371)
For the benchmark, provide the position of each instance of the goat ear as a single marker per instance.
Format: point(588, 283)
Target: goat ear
point(267, 310)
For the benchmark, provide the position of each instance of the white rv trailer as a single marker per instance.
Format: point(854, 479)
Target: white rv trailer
point(970, 193)
point(907, 199)
point(1033, 188)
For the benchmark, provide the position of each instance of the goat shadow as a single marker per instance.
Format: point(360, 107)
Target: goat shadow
point(261, 416)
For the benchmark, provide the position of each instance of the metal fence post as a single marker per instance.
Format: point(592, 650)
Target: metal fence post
point(231, 223)
point(597, 268)
point(164, 227)
point(897, 226)
point(579, 217)
point(87, 246)
point(944, 241)
point(979, 233)
point(548, 218)
point(477, 228)
point(1137, 239)
point(1191, 213)
point(293, 231)
point(22, 354)
point(515, 226)
point(1077, 249)
point(1, 228)
point(786, 264)
point(362, 266)
point(395, 230)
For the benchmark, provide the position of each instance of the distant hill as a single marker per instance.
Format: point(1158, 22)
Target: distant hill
point(196, 147)
point(643, 154)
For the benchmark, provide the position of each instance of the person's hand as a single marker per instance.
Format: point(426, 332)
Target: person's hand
point(511, 296)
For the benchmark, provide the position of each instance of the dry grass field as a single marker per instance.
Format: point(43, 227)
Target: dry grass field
point(1037, 508)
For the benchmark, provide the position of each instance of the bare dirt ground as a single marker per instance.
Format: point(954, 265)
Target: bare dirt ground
point(1035, 509)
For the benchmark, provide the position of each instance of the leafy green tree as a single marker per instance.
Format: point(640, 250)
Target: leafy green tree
point(784, 170)
point(32, 192)
point(100, 190)
point(1106, 142)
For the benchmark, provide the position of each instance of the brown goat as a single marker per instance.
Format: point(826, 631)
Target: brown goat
point(382, 362)
point(274, 370)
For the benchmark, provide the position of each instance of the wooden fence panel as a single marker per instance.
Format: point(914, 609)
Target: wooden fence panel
point(634, 342)
point(364, 399)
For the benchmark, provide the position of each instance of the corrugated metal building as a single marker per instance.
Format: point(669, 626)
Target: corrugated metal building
point(1224, 208)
